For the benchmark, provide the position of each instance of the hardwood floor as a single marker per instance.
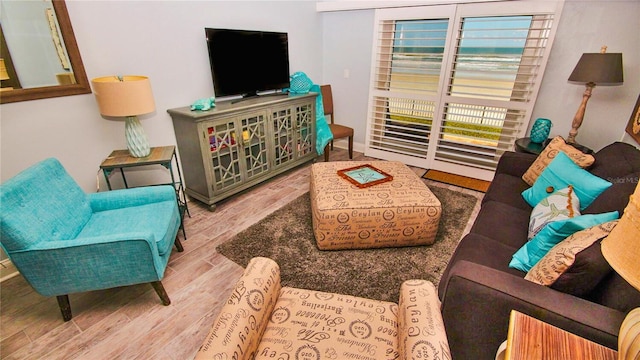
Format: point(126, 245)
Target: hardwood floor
point(130, 322)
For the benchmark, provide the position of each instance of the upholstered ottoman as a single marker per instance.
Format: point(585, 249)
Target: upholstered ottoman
point(401, 212)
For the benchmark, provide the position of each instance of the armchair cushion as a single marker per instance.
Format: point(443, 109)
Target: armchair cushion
point(52, 206)
point(147, 220)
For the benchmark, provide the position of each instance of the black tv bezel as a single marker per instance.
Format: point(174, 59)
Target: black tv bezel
point(241, 71)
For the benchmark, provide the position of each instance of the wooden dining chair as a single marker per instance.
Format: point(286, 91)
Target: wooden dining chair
point(338, 131)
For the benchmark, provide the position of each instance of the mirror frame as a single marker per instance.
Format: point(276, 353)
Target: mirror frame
point(82, 83)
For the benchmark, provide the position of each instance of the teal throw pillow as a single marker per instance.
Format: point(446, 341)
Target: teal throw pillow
point(562, 204)
point(560, 173)
point(535, 249)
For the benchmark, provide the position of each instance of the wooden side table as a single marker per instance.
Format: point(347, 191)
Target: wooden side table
point(163, 155)
point(530, 338)
point(525, 145)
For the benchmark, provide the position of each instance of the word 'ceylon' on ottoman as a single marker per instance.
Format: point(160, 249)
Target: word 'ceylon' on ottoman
point(401, 212)
point(263, 320)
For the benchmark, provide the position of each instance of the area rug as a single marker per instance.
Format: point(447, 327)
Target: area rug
point(457, 180)
point(286, 236)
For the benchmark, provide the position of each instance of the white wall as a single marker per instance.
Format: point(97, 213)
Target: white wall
point(347, 49)
point(584, 27)
point(165, 41)
point(161, 39)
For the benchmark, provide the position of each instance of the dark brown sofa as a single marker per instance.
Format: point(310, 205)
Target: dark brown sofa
point(478, 289)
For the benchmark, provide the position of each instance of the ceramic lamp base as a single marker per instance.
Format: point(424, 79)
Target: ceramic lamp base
point(136, 139)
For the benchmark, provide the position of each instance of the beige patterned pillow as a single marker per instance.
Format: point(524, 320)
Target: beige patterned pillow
point(557, 144)
point(562, 256)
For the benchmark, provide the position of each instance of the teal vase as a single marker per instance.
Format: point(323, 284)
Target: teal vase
point(540, 130)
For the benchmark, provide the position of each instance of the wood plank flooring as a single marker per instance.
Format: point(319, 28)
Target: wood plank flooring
point(130, 322)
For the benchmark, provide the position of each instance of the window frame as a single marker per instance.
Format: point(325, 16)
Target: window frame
point(455, 13)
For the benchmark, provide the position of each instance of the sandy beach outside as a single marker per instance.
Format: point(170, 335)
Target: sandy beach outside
point(481, 88)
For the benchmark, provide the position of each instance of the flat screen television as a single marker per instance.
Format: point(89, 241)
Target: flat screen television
point(245, 62)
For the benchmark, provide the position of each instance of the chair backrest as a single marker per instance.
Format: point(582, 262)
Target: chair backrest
point(327, 100)
point(41, 203)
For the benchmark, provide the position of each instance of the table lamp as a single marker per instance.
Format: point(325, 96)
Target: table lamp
point(594, 69)
point(622, 250)
point(4, 75)
point(126, 96)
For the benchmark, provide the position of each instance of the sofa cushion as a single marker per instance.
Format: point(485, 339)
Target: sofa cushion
point(504, 223)
point(616, 293)
point(588, 270)
point(554, 147)
point(536, 248)
point(616, 197)
point(576, 264)
point(561, 173)
point(506, 189)
point(146, 219)
point(616, 160)
point(485, 251)
point(562, 204)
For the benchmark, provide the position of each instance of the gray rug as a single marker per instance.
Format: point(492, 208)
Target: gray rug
point(286, 236)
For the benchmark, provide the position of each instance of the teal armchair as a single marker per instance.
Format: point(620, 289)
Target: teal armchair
point(65, 241)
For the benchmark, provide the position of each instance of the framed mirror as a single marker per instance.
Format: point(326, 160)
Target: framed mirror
point(65, 74)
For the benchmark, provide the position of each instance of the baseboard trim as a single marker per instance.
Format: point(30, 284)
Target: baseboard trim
point(7, 270)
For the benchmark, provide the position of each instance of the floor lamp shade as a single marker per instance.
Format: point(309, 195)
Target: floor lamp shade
point(599, 68)
point(126, 96)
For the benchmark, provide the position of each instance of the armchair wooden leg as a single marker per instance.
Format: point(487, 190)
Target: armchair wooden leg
point(178, 245)
point(350, 147)
point(157, 286)
point(65, 307)
point(326, 153)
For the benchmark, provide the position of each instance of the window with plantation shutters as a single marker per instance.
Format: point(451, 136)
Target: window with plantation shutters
point(454, 86)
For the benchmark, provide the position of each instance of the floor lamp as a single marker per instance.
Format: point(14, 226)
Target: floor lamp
point(127, 96)
point(594, 69)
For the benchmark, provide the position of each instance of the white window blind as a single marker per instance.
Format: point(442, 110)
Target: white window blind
point(454, 86)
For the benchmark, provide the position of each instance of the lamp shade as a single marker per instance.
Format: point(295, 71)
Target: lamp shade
point(622, 247)
point(629, 337)
point(123, 96)
point(599, 68)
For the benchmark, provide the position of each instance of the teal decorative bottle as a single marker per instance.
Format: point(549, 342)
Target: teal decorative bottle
point(540, 130)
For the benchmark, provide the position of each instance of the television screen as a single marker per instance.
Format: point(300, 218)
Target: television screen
point(245, 62)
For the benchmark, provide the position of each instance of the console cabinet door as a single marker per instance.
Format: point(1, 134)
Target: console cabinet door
point(283, 136)
point(305, 130)
point(256, 152)
point(238, 150)
point(293, 133)
point(224, 153)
